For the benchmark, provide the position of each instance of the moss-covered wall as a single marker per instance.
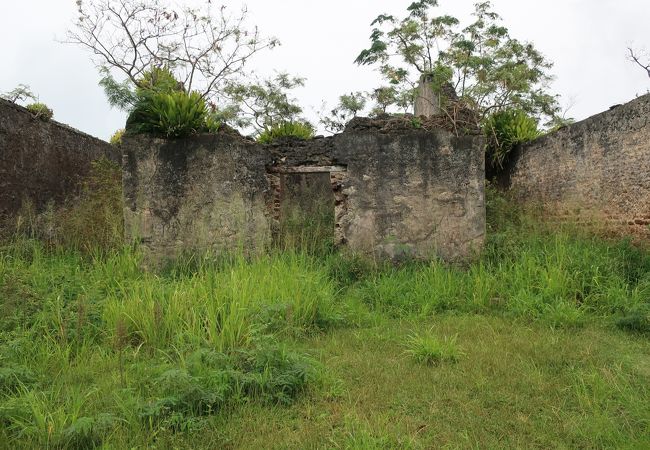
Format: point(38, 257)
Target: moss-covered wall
point(398, 192)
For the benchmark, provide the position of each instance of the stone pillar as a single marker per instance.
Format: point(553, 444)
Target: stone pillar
point(427, 102)
point(432, 102)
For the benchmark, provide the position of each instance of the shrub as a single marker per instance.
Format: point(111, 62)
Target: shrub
point(212, 123)
point(173, 114)
point(430, 350)
point(162, 106)
point(158, 79)
point(299, 130)
point(504, 130)
point(116, 139)
point(40, 111)
point(13, 378)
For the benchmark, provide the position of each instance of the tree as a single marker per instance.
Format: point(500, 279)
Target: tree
point(204, 47)
point(263, 104)
point(349, 106)
point(490, 70)
point(637, 57)
point(19, 94)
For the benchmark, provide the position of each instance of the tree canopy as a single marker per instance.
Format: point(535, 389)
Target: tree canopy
point(489, 69)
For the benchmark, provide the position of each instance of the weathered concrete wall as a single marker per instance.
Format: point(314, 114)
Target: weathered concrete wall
point(199, 194)
point(397, 192)
point(42, 161)
point(415, 193)
point(595, 169)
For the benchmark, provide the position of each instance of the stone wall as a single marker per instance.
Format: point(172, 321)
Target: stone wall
point(396, 192)
point(595, 170)
point(412, 193)
point(205, 193)
point(42, 161)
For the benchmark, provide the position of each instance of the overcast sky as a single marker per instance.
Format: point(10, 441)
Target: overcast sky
point(586, 39)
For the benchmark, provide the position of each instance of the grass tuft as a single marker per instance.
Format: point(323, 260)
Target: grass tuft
point(428, 349)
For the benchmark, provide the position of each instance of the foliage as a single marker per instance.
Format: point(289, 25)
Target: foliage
point(489, 69)
point(205, 47)
point(263, 104)
point(19, 94)
point(116, 138)
point(299, 130)
point(97, 352)
point(40, 111)
point(637, 320)
point(506, 129)
point(387, 96)
point(347, 108)
point(160, 105)
point(172, 114)
point(430, 350)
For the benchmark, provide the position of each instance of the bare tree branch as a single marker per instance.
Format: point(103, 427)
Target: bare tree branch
point(204, 47)
point(635, 58)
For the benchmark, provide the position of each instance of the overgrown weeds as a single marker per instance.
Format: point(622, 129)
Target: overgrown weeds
point(93, 350)
point(92, 222)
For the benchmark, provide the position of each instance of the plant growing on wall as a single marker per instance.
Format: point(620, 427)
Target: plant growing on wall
point(348, 107)
point(116, 138)
point(504, 130)
point(298, 129)
point(19, 94)
point(40, 111)
point(160, 105)
point(489, 69)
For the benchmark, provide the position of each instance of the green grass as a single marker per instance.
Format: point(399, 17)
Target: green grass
point(426, 348)
point(541, 343)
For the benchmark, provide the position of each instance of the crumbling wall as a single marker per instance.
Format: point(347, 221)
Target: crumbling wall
point(43, 161)
point(205, 193)
point(396, 192)
point(594, 170)
point(412, 192)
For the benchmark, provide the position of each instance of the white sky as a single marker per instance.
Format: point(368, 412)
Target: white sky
point(586, 39)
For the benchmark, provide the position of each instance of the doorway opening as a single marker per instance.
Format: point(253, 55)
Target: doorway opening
point(307, 206)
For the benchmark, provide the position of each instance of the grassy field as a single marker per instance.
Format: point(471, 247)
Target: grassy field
point(542, 343)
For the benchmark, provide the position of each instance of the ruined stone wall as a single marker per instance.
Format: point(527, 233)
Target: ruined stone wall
point(594, 170)
point(396, 194)
point(205, 193)
point(412, 193)
point(42, 161)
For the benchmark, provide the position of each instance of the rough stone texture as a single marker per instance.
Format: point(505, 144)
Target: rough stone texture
point(433, 102)
point(206, 193)
point(597, 169)
point(418, 193)
point(397, 193)
point(42, 161)
point(427, 102)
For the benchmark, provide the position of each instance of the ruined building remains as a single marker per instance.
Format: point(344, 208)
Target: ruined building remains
point(42, 162)
point(395, 188)
point(596, 170)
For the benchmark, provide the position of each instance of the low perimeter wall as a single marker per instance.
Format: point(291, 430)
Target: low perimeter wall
point(43, 161)
point(397, 193)
point(597, 169)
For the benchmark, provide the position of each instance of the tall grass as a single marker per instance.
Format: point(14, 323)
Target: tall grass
point(225, 308)
point(560, 277)
point(92, 348)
